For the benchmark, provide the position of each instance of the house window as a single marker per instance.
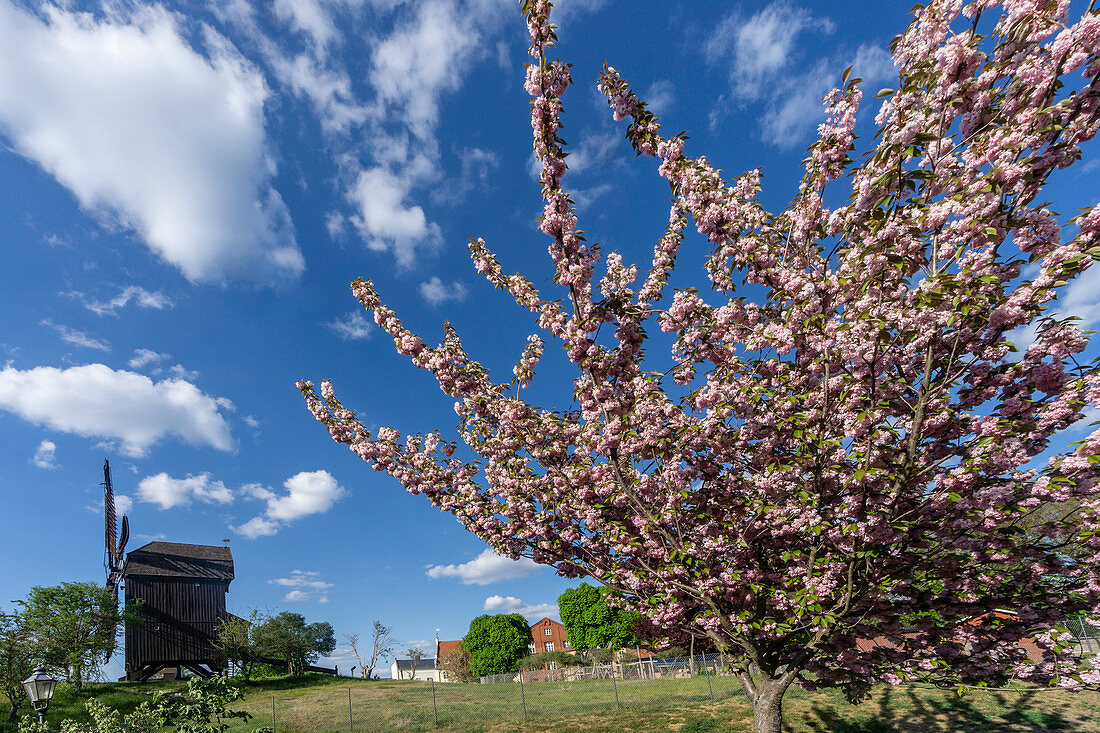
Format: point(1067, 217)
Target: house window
point(547, 631)
point(531, 647)
point(548, 646)
point(565, 644)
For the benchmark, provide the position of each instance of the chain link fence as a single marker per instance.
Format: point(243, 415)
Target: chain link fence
point(1087, 637)
point(536, 695)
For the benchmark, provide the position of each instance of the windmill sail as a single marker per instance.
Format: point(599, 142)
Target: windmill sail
point(123, 537)
point(113, 549)
point(110, 525)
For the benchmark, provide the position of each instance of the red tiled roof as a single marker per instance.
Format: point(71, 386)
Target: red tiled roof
point(446, 647)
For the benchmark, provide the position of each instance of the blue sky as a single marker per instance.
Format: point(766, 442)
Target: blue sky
point(185, 194)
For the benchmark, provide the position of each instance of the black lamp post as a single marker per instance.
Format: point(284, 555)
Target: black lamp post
point(39, 687)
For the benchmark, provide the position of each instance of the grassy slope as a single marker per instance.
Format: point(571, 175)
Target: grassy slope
point(320, 703)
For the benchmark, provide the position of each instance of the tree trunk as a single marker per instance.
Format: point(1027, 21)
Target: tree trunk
point(13, 713)
point(766, 696)
point(767, 712)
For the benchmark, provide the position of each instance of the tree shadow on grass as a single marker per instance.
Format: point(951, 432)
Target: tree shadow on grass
point(924, 711)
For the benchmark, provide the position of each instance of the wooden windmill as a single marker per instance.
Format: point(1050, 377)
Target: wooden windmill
point(176, 595)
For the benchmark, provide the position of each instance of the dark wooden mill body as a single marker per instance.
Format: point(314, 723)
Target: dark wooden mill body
point(175, 596)
point(178, 594)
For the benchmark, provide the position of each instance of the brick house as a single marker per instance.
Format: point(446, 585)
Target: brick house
point(443, 651)
point(548, 635)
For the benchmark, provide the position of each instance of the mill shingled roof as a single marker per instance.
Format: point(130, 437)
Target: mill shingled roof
point(178, 560)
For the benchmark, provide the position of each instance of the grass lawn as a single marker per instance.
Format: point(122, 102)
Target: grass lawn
point(319, 703)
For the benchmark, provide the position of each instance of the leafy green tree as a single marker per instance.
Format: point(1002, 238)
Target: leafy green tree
point(288, 638)
point(238, 640)
point(497, 643)
point(74, 626)
point(16, 661)
point(592, 623)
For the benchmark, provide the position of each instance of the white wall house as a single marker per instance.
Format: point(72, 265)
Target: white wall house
point(402, 669)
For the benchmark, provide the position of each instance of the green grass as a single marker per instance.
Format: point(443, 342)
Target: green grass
point(318, 703)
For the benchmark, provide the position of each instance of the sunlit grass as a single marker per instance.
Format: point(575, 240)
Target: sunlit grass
point(319, 704)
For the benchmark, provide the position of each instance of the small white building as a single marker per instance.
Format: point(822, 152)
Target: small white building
point(426, 669)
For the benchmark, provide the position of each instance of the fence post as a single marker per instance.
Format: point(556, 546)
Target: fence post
point(706, 671)
point(522, 698)
point(435, 708)
point(272, 714)
point(615, 687)
point(351, 721)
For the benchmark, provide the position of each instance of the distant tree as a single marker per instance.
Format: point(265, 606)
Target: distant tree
point(599, 655)
point(456, 663)
point(239, 641)
point(497, 643)
point(74, 625)
point(547, 659)
point(414, 655)
point(381, 646)
point(673, 652)
point(287, 637)
point(591, 622)
point(16, 661)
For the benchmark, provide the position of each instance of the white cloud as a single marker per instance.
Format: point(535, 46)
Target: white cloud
point(585, 197)
point(435, 291)
point(486, 568)
point(764, 52)
point(137, 295)
point(308, 492)
point(75, 337)
point(149, 134)
point(123, 504)
point(308, 17)
point(168, 492)
point(306, 586)
point(96, 401)
point(352, 327)
point(594, 151)
point(511, 604)
point(660, 96)
point(145, 357)
point(386, 220)
point(257, 527)
point(422, 59)
point(179, 371)
point(327, 89)
point(46, 454)
point(760, 46)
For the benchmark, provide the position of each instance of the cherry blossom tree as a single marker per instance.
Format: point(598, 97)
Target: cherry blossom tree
point(828, 480)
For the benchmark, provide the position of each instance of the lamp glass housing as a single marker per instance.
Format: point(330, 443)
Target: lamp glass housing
point(39, 687)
